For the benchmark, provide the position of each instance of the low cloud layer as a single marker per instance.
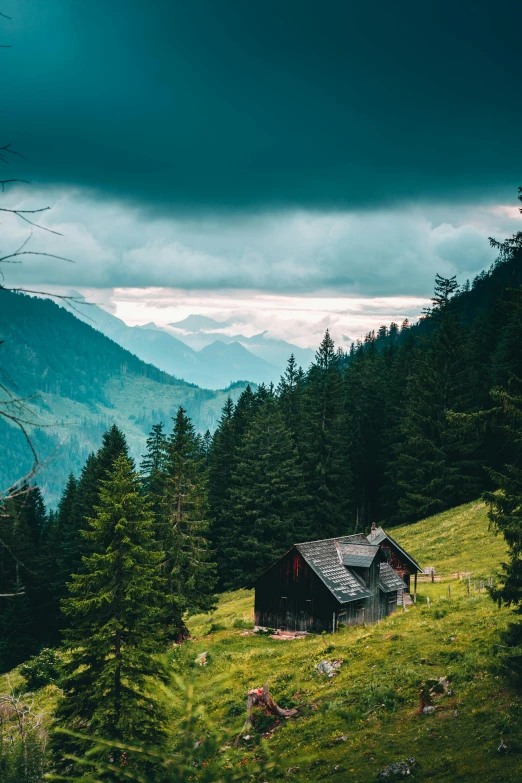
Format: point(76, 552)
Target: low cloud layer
point(376, 254)
point(301, 320)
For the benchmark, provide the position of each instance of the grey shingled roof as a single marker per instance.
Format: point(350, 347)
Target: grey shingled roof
point(361, 555)
point(322, 557)
point(389, 580)
point(381, 535)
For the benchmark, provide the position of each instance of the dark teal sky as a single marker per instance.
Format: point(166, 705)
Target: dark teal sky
point(210, 105)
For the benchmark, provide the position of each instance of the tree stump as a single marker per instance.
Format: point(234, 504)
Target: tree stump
point(261, 696)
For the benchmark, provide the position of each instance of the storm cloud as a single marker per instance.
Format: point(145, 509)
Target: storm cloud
point(210, 106)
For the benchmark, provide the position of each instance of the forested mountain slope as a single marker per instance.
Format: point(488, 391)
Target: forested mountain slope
point(80, 382)
point(215, 367)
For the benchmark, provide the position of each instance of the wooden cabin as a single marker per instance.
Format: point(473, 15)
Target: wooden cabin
point(318, 584)
point(402, 563)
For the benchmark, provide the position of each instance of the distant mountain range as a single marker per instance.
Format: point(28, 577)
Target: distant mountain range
point(79, 382)
point(199, 331)
point(199, 349)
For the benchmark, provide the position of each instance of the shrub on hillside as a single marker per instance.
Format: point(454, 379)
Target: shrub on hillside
point(41, 670)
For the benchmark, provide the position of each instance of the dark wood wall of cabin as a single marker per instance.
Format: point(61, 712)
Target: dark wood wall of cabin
point(291, 597)
point(388, 603)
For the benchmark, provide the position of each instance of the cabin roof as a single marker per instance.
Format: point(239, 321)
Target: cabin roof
point(358, 554)
point(389, 580)
point(379, 535)
point(322, 557)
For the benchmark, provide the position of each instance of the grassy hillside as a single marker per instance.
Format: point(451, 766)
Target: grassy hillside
point(369, 715)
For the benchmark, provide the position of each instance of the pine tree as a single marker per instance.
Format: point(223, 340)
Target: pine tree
point(153, 465)
point(115, 613)
point(221, 465)
point(365, 381)
point(244, 411)
point(66, 538)
point(206, 444)
point(290, 394)
point(190, 572)
point(506, 502)
point(95, 470)
point(400, 366)
point(47, 611)
point(21, 526)
point(436, 467)
point(267, 499)
point(17, 632)
point(325, 464)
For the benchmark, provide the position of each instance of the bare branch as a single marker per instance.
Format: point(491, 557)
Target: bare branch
point(7, 148)
point(5, 259)
point(21, 213)
point(4, 182)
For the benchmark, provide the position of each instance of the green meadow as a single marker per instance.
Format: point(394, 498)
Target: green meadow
point(445, 653)
point(369, 715)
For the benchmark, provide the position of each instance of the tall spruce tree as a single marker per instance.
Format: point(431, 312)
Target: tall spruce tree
point(115, 615)
point(400, 367)
point(244, 411)
point(189, 568)
point(268, 499)
point(66, 538)
point(95, 470)
point(22, 526)
point(436, 468)
point(365, 390)
point(505, 503)
point(328, 481)
point(18, 639)
point(290, 394)
point(206, 444)
point(221, 465)
point(153, 468)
